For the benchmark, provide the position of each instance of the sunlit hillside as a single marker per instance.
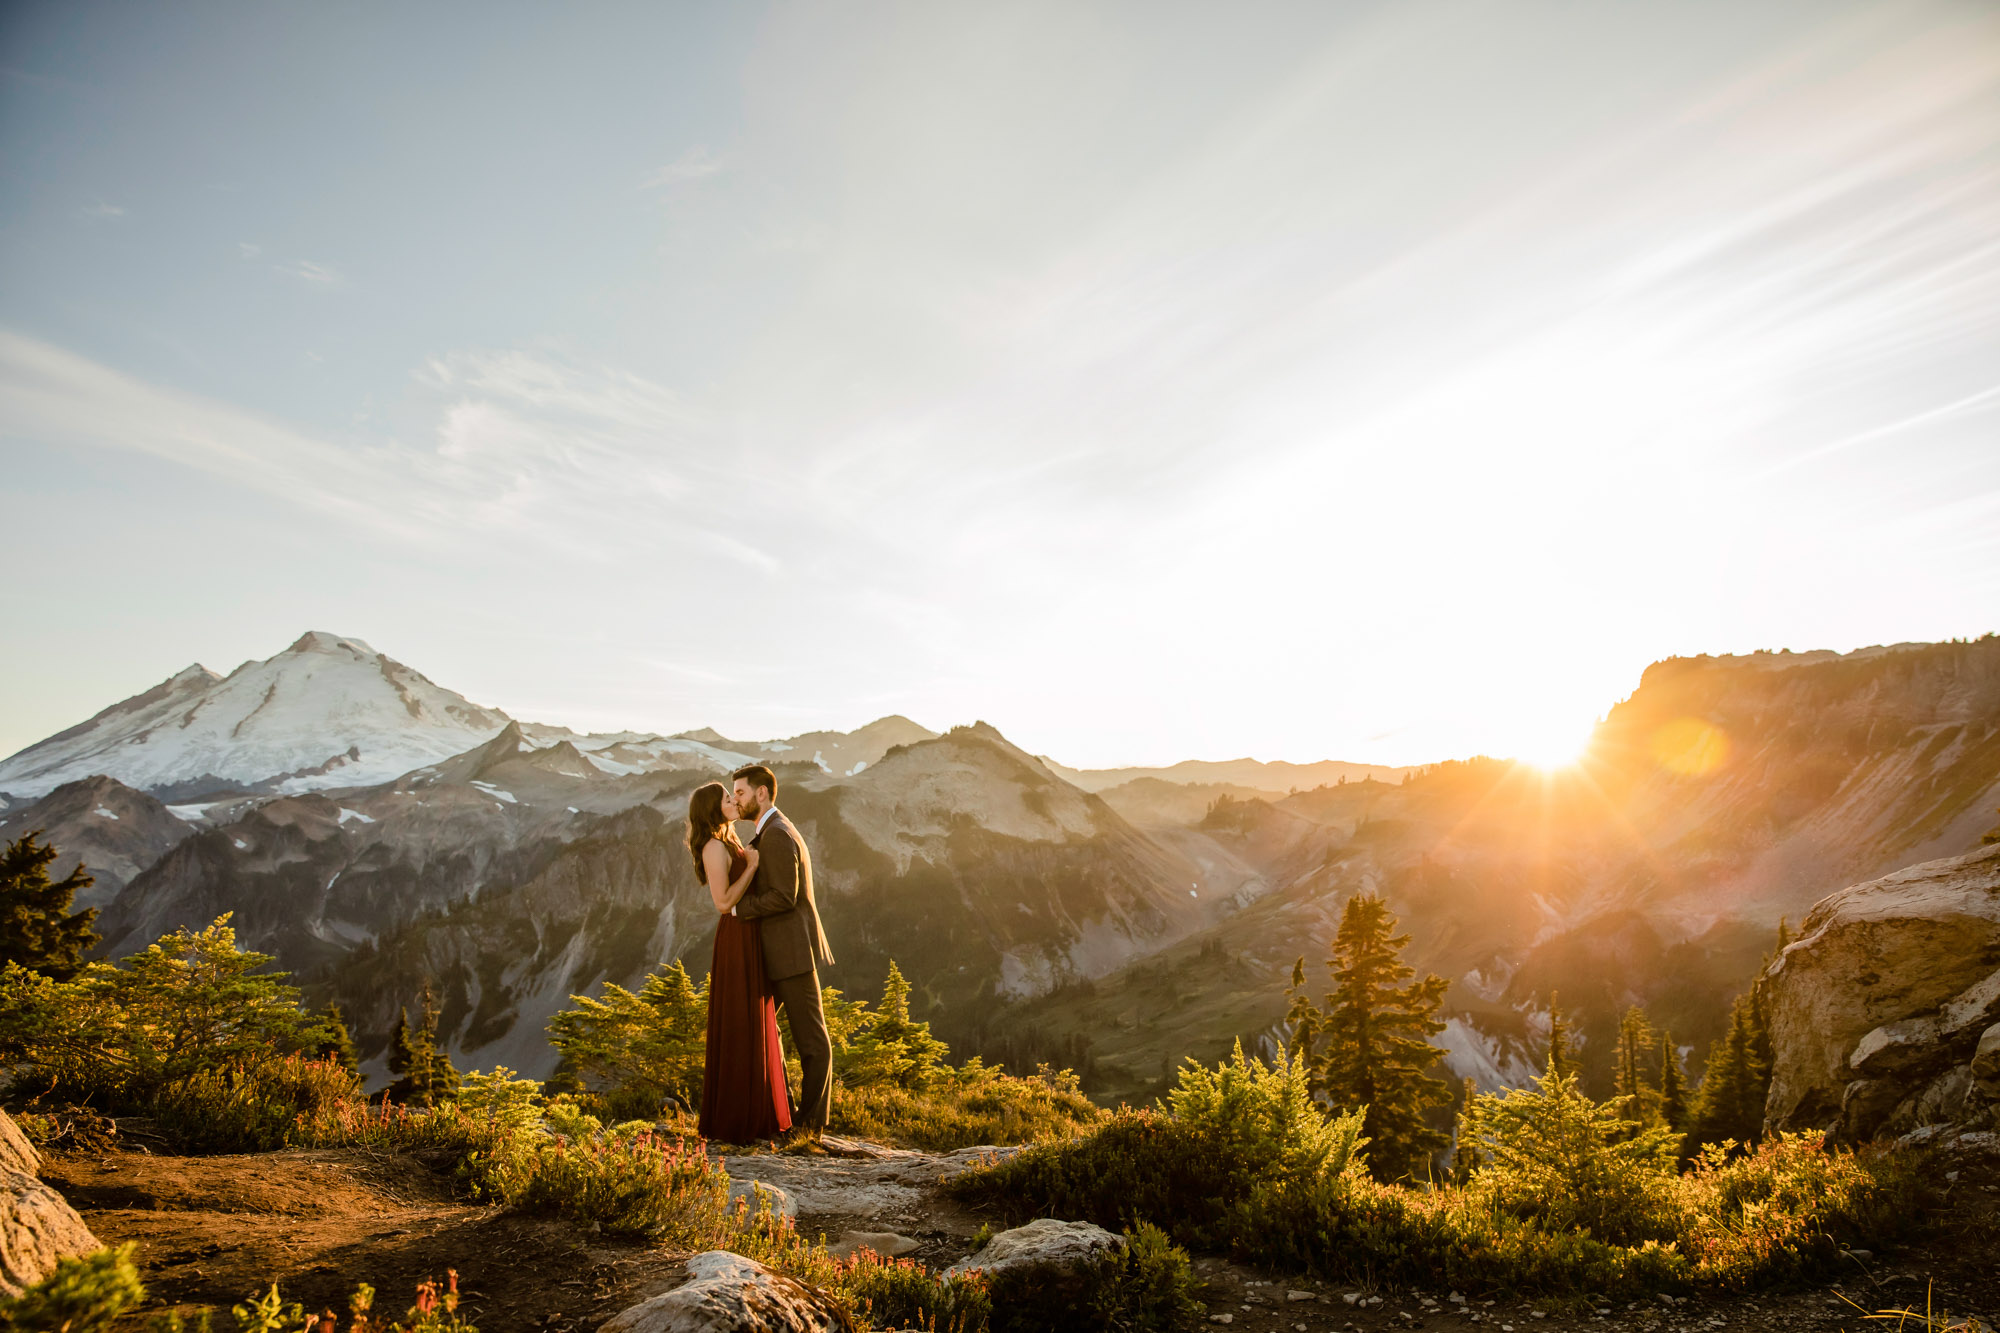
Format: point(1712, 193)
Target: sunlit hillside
point(1724, 794)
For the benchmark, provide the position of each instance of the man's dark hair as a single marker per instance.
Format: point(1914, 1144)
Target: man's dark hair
point(758, 776)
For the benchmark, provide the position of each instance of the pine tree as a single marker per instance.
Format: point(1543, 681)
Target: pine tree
point(425, 1073)
point(892, 1048)
point(408, 1053)
point(1301, 1015)
point(1635, 1067)
point(642, 1051)
point(1673, 1085)
point(1729, 1105)
point(441, 1080)
point(338, 1044)
point(37, 929)
point(1465, 1155)
point(1374, 1040)
point(1562, 1044)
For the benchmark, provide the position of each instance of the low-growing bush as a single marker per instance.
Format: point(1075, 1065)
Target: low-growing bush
point(965, 1107)
point(1788, 1207)
point(1231, 1132)
point(901, 1293)
point(80, 1295)
point(249, 1107)
point(626, 1179)
point(1567, 1199)
point(1552, 1155)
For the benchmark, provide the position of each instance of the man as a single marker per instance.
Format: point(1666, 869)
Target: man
point(780, 900)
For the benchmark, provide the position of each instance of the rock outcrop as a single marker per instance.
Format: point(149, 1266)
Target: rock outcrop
point(1045, 1242)
point(16, 1153)
point(727, 1293)
point(37, 1226)
point(1885, 1013)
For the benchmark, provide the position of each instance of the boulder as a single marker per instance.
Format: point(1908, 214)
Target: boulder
point(1895, 948)
point(727, 1293)
point(885, 1243)
point(761, 1193)
point(1042, 1242)
point(37, 1228)
point(1941, 1101)
point(16, 1153)
point(1985, 1064)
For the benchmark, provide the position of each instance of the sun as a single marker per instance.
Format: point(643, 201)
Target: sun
point(1557, 748)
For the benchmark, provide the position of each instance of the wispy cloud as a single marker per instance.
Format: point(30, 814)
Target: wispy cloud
point(249, 250)
point(697, 163)
point(593, 462)
point(319, 275)
point(102, 211)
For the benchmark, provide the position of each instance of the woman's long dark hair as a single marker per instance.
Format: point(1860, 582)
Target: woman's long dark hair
point(705, 822)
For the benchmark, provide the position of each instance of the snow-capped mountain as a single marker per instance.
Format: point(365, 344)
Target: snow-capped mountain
point(329, 711)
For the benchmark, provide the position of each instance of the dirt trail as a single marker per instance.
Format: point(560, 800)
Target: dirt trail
point(213, 1230)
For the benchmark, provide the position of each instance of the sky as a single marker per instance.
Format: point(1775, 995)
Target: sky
point(1383, 382)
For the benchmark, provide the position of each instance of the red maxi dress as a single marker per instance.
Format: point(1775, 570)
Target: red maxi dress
point(743, 1092)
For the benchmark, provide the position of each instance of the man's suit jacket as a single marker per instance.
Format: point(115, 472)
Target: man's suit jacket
point(780, 900)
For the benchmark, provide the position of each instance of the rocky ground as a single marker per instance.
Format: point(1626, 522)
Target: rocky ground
point(214, 1230)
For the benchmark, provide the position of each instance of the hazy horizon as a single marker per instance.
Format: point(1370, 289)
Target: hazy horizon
point(1382, 383)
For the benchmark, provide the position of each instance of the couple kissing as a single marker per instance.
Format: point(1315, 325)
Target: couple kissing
point(768, 948)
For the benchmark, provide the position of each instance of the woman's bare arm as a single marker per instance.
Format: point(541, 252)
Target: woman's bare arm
point(715, 861)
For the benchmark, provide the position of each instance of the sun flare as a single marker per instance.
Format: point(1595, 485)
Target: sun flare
point(1560, 748)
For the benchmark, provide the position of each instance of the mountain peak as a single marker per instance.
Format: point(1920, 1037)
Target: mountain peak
point(329, 711)
point(319, 641)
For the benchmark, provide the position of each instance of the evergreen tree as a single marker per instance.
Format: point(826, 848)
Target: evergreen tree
point(1562, 1044)
point(37, 929)
point(1374, 1035)
point(1729, 1105)
point(889, 1047)
point(1301, 1015)
point(425, 1073)
point(644, 1050)
point(1636, 1080)
point(337, 1044)
point(1465, 1155)
point(1673, 1085)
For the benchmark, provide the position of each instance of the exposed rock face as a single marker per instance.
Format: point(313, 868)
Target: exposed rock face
point(858, 1179)
point(727, 1293)
point(1880, 1008)
point(1044, 1242)
point(114, 831)
point(16, 1153)
point(37, 1229)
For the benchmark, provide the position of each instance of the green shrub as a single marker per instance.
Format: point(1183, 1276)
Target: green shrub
point(503, 1099)
point(251, 1107)
point(80, 1296)
point(118, 1033)
point(966, 1107)
point(900, 1293)
point(638, 1051)
point(1788, 1208)
point(1550, 1154)
point(1568, 1198)
point(1229, 1132)
point(626, 1179)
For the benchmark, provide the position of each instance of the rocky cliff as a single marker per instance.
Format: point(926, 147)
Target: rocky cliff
point(1885, 1013)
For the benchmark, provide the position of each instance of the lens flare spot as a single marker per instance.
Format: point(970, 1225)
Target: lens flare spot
point(1690, 747)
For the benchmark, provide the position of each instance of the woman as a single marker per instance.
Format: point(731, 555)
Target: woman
point(743, 1094)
